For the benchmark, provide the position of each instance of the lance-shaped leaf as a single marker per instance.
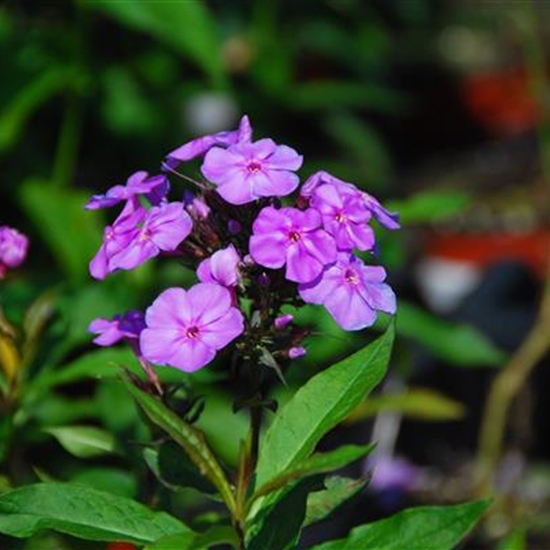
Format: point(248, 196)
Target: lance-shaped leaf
point(82, 512)
point(320, 405)
point(187, 437)
point(422, 528)
point(318, 463)
point(217, 535)
point(338, 490)
point(420, 403)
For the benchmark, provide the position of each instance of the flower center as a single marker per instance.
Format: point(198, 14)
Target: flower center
point(144, 234)
point(254, 167)
point(351, 277)
point(192, 332)
point(294, 236)
point(340, 217)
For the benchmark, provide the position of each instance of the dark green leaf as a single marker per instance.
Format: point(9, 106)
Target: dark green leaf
point(278, 526)
point(16, 113)
point(84, 441)
point(176, 469)
point(72, 235)
point(187, 437)
point(82, 512)
point(320, 405)
point(459, 344)
point(316, 464)
point(422, 528)
point(321, 504)
point(420, 403)
point(219, 534)
point(186, 26)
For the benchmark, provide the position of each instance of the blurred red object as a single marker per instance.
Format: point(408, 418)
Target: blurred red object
point(120, 546)
point(487, 248)
point(501, 101)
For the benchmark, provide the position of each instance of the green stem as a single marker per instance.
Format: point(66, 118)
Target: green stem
point(509, 381)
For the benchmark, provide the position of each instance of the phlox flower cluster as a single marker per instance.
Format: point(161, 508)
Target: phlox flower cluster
point(13, 249)
point(257, 240)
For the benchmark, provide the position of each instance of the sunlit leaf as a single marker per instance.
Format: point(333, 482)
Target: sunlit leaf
point(320, 405)
point(419, 403)
point(84, 441)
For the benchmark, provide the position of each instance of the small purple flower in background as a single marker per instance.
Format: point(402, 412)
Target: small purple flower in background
point(292, 237)
point(247, 171)
point(296, 351)
point(387, 219)
point(185, 329)
point(345, 216)
point(13, 248)
point(393, 473)
point(154, 188)
point(220, 268)
point(283, 321)
point(110, 332)
point(199, 146)
point(352, 292)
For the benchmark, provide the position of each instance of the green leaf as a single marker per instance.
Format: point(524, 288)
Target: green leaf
point(422, 528)
point(419, 403)
point(217, 535)
point(321, 504)
point(111, 480)
point(84, 441)
point(277, 527)
point(72, 235)
point(176, 469)
point(320, 405)
point(456, 343)
point(96, 364)
point(317, 463)
point(186, 26)
point(430, 206)
point(82, 512)
point(15, 115)
point(324, 94)
point(187, 437)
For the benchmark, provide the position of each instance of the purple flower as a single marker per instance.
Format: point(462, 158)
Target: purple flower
point(185, 329)
point(138, 235)
point(283, 321)
point(292, 237)
point(162, 228)
point(195, 206)
point(296, 351)
point(246, 171)
point(199, 146)
point(154, 188)
point(110, 332)
point(389, 220)
point(13, 248)
point(351, 291)
point(220, 268)
point(345, 216)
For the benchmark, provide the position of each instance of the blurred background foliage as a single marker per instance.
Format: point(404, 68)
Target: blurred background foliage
point(425, 104)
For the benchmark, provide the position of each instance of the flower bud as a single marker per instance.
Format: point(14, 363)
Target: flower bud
point(296, 351)
point(282, 321)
